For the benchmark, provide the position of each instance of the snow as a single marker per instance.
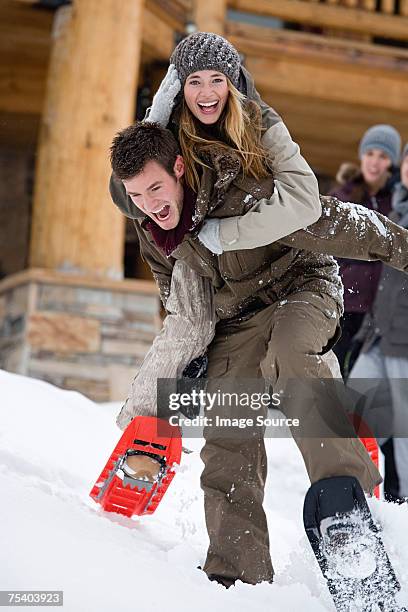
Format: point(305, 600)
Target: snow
point(53, 445)
point(359, 214)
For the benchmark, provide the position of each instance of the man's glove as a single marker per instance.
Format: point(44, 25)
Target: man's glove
point(209, 235)
point(164, 98)
point(197, 370)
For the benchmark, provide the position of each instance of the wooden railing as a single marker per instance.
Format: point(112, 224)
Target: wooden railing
point(383, 19)
point(388, 7)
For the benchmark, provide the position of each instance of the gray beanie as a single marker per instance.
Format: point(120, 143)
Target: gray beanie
point(405, 151)
point(384, 137)
point(206, 51)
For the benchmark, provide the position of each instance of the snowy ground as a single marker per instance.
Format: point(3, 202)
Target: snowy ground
point(53, 445)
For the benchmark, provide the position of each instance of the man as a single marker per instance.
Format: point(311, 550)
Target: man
point(278, 308)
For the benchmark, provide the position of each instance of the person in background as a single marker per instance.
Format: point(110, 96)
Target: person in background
point(383, 337)
point(371, 185)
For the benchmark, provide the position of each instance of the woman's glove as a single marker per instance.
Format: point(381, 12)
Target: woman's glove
point(209, 235)
point(164, 98)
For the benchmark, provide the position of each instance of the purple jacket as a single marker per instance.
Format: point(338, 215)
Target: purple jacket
point(360, 278)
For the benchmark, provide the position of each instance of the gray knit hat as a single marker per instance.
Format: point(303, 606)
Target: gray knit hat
point(405, 151)
point(384, 137)
point(206, 51)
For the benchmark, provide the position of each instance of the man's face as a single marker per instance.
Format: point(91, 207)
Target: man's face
point(157, 194)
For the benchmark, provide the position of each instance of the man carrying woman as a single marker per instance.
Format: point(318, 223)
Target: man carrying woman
point(236, 178)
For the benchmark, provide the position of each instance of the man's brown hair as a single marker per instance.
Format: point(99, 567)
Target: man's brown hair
point(140, 143)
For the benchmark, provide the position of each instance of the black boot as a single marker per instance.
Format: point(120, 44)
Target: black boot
point(391, 480)
point(224, 580)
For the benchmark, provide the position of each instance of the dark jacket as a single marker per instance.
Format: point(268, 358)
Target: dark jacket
point(388, 320)
point(246, 280)
point(360, 279)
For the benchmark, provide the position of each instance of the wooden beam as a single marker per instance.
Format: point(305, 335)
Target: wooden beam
point(328, 132)
point(25, 35)
point(19, 131)
point(210, 15)
point(171, 12)
point(369, 5)
point(22, 87)
point(268, 41)
point(90, 95)
point(158, 37)
point(333, 83)
point(327, 16)
point(25, 42)
point(388, 6)
point(288, 64)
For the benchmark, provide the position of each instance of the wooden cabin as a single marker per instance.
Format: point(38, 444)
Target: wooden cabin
point(78, 307)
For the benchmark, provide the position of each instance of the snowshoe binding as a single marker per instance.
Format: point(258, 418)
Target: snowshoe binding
point(140, 468)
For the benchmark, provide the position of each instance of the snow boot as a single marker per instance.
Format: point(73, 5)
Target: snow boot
point(224, 580)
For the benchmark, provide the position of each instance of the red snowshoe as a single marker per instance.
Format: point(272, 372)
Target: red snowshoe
point(140, 468)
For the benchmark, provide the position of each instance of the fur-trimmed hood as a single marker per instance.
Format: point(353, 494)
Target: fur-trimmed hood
point(348, 172)
point(351, 186)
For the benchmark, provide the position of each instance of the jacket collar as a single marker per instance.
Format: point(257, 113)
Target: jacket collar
point(225, 170)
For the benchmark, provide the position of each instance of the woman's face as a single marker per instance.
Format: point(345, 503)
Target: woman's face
point(206, 93)
point(374, 167)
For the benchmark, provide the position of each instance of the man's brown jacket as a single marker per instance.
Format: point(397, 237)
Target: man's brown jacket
point(246, 280)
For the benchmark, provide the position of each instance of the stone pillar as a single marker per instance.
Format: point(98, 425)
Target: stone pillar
point(91, 92)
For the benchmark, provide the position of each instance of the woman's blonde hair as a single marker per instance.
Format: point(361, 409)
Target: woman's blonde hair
point(240, 127)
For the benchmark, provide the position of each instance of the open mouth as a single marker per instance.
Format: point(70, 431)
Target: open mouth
point(163, 213)
point(208, 107)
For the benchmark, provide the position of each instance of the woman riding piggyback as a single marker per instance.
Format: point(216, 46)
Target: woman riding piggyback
point(208, 99)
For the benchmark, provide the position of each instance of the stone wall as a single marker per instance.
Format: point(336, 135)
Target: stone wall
point(80, 334)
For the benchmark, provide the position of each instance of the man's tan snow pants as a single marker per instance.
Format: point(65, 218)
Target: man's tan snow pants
point(285, 341)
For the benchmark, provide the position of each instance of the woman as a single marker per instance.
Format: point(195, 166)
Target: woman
point(220, 105)
point(369, 184)
point(384, 354)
